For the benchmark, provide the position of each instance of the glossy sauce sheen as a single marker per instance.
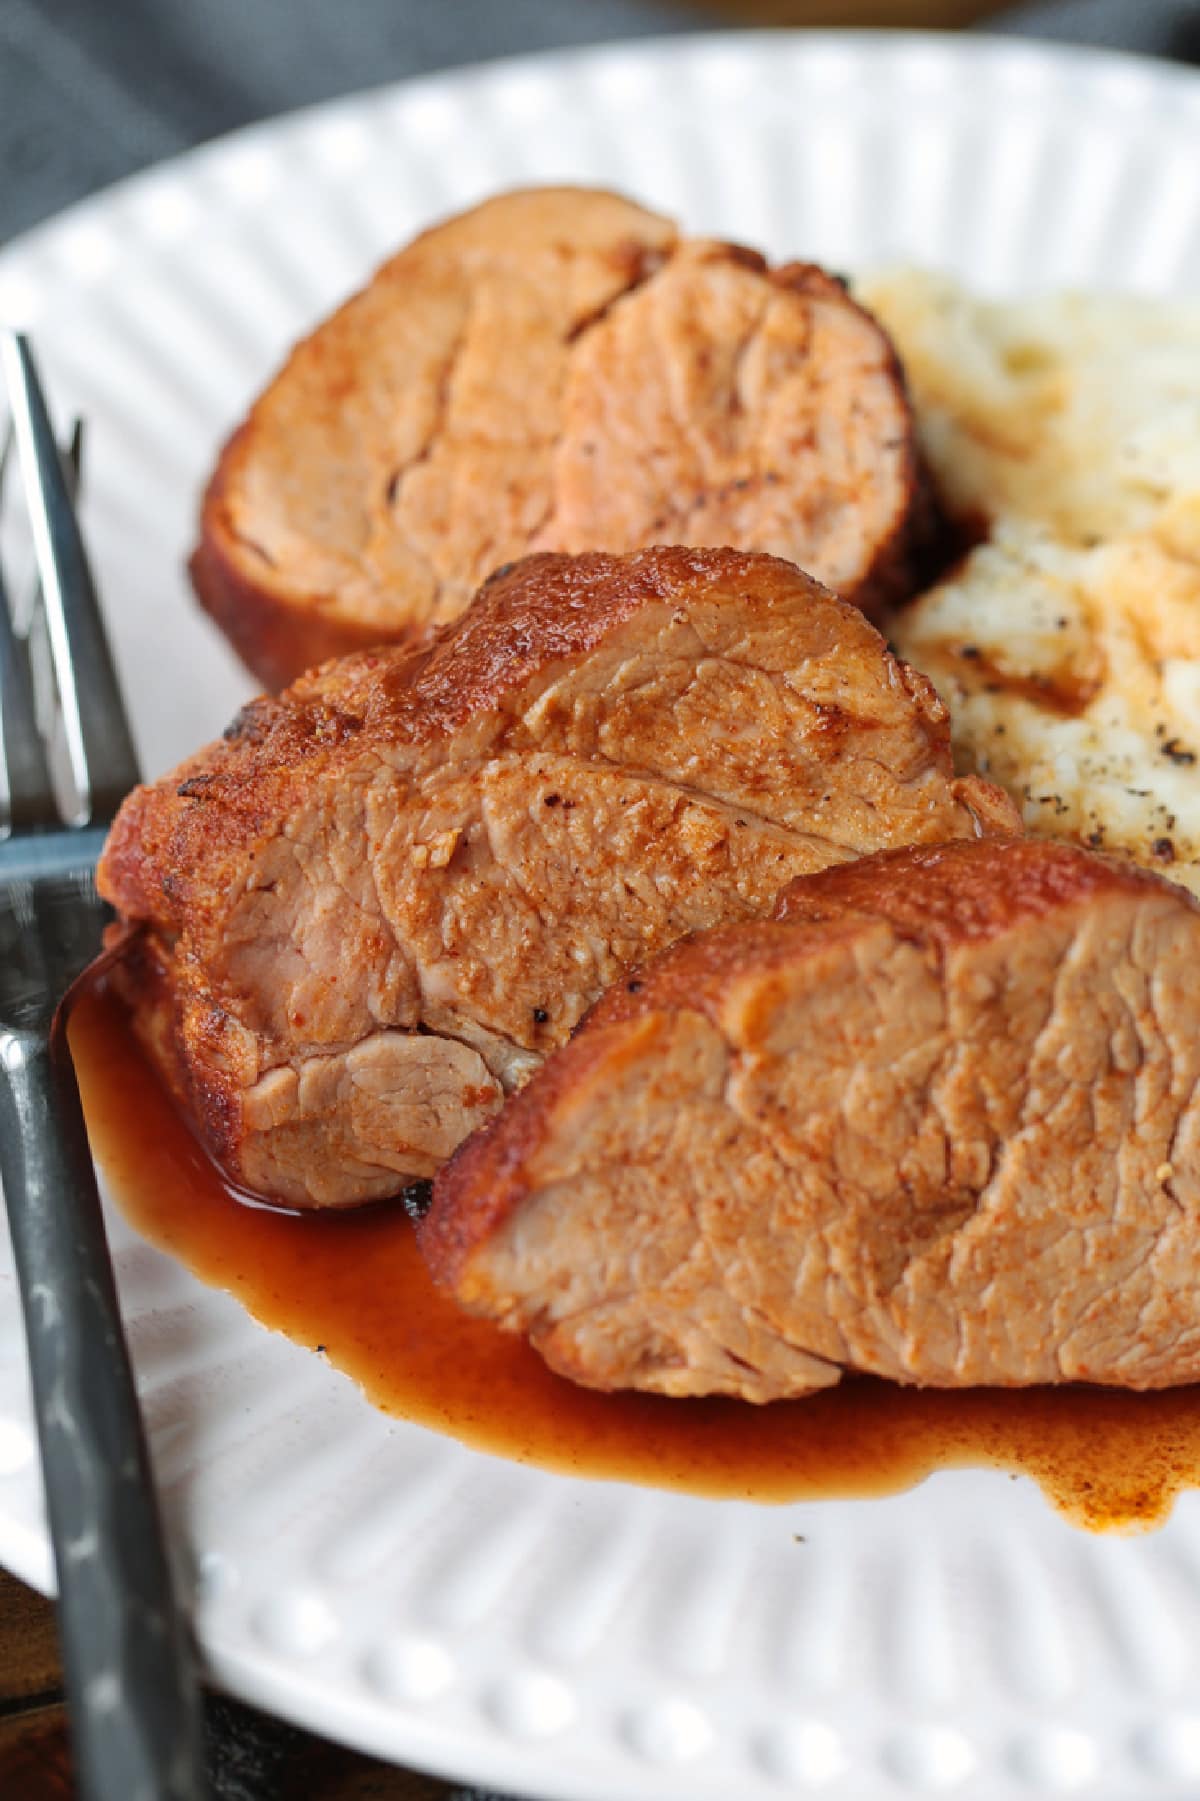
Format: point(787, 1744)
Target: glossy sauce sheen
point(353, 1286)
point(1066, 693)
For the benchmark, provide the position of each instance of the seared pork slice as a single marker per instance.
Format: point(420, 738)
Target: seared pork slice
point(554, 370)
point(371, 911)
point(939, 1122)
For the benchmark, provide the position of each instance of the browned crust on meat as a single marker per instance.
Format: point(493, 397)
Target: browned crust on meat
point(962, 892)
point(903, 558)
point(281, 621)
point(142, 977)
point(275, 634)
point(937, 895)
point(542, 610)
point(277, 629)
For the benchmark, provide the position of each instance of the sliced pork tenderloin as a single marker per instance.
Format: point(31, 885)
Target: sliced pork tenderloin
point(555, 370)
point(369, 912)
point(939, 1121)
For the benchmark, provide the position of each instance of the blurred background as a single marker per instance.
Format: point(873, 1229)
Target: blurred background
point(91, 90)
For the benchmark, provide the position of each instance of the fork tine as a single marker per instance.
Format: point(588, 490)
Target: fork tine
point(29, 621)
point(99, 744)
point(74, 457)
point(26, 791)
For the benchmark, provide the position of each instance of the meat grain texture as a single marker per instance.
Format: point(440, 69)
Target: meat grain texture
point(370, 912)
point(556, 369)
point(939, 1121)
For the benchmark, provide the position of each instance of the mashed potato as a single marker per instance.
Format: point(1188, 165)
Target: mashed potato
point(1067, 644)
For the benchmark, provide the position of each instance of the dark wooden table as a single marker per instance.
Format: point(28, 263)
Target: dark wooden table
point(251, 1757)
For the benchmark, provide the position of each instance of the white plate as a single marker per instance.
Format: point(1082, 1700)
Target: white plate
point(373, 1580)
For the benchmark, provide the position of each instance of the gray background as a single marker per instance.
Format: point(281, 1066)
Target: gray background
point(91, 90)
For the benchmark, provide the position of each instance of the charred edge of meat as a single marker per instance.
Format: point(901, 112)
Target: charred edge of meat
point(945, 541)
point(416, 1198)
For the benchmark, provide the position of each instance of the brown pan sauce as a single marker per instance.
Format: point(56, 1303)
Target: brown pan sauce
point(353, 1286)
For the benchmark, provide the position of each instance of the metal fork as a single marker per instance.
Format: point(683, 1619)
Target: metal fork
point(131, 1684)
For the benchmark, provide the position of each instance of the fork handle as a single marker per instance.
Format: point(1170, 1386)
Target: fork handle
point(130, 1677)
